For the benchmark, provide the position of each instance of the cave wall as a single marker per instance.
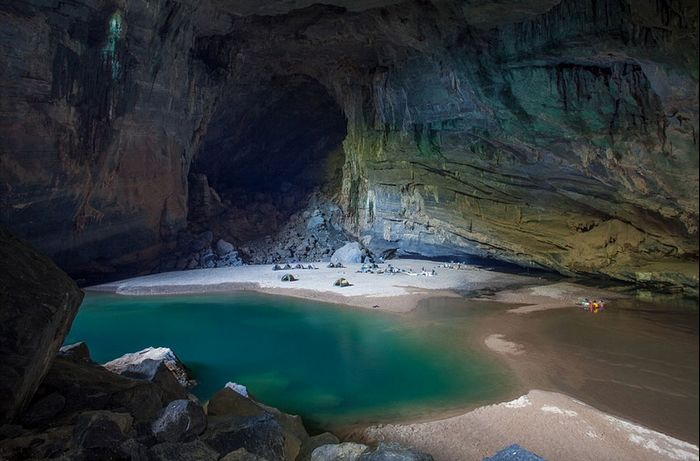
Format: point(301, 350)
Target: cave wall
point(101, 107)
point(560, 135)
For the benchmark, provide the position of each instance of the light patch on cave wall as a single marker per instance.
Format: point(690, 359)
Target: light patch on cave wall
point(109, 50)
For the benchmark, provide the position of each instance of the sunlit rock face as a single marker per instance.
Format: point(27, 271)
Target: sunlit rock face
point(552, 134)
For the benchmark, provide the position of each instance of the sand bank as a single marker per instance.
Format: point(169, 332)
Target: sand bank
point(550, 296)
point(393, 292)
point(554, 426)
point(498, 343)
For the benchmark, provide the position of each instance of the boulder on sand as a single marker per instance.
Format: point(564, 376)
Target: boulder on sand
point(348, 254)
point(223, 247)
point(349, 451)
point(346, 451)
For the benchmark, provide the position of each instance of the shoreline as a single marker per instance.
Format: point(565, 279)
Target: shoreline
point(398, 293)
point(447, 432)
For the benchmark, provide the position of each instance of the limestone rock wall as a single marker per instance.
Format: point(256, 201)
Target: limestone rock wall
point(101, 107)
point(560, 135)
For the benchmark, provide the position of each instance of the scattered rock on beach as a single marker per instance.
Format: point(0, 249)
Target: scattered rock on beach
point(349, 253)
point(346, 451)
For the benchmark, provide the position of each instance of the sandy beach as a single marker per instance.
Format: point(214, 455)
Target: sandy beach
point(551, 424)
point(399, 292)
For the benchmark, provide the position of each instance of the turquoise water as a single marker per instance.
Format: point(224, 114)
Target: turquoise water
point(331, 364)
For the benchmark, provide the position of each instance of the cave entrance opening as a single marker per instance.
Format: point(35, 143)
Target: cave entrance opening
point(269, 150)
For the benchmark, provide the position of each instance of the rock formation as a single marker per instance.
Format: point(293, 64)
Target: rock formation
point(37, 305)
point(84, 411)
point(554, 134)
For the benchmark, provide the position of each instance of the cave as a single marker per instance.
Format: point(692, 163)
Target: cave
point(357, 229)
point(268, 147)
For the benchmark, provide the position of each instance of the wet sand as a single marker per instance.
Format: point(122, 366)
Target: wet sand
point(552, 425)
point(633, 360)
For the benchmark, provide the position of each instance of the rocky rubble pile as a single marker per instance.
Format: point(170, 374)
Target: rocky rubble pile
point(200, 251)
point(309, 235)
point(312, 234)
point(83, 411)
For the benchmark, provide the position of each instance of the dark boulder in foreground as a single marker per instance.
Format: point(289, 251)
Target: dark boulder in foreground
point(181, 420)
point(38, 302)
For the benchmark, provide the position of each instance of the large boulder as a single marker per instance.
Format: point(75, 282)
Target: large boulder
point(234, 412)
point(99, 430)
point(148, 363)
point(180, 420)
point(37, 305)
point(260, 435)
point(86, 386)
point(228, 402)
point(347, 254)
point(223, 247)
point(347, 451)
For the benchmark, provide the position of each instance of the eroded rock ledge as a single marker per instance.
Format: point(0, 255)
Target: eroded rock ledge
point(562, 135)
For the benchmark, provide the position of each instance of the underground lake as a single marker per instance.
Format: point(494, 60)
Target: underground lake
point(334, 365)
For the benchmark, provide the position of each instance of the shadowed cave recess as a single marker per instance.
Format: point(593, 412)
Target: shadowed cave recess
point(271, 151)
point(559, 135)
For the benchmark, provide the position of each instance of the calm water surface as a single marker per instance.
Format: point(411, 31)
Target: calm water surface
point(332, 364)
point(338, 365)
